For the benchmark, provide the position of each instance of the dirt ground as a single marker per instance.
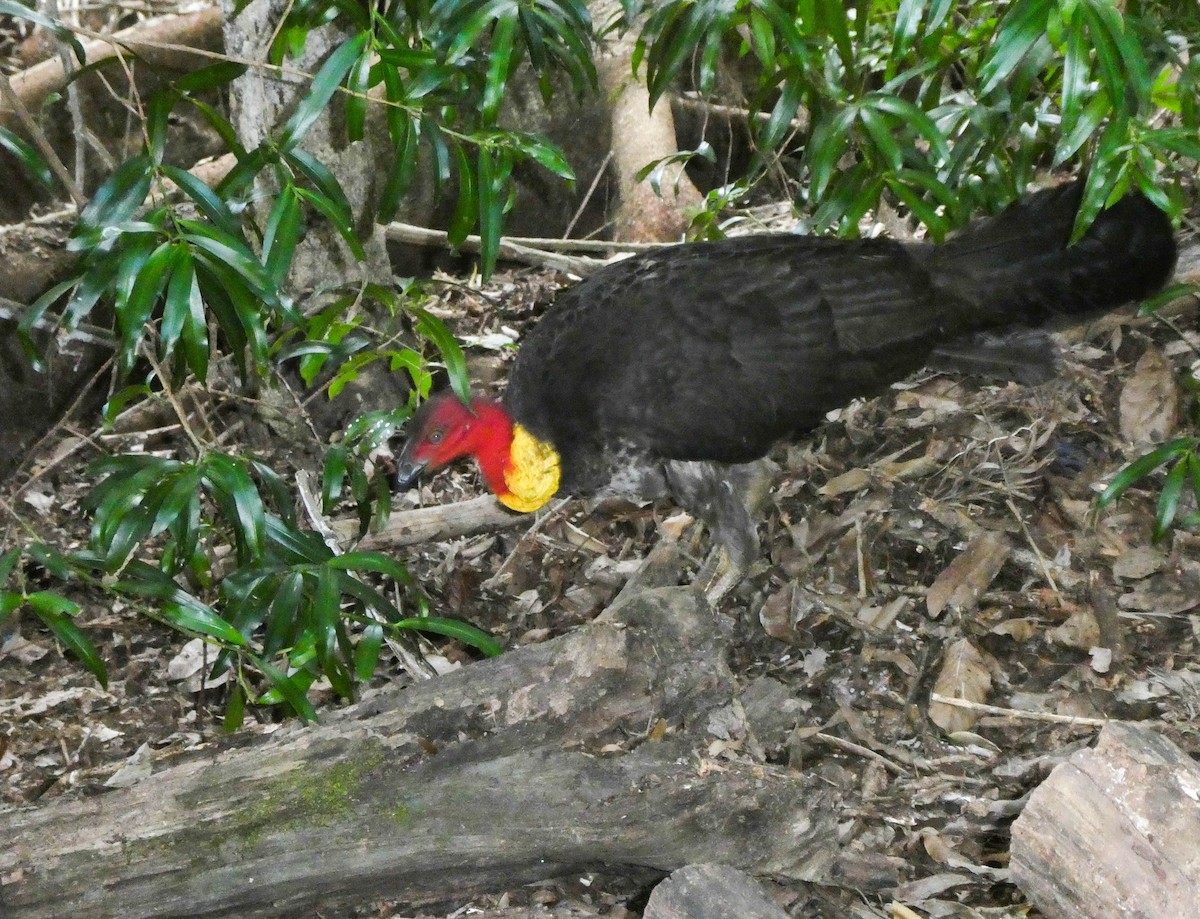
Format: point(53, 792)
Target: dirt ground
point(938, 538)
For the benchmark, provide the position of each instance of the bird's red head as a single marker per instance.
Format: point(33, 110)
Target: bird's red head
point(522, 471)
point(444, 429)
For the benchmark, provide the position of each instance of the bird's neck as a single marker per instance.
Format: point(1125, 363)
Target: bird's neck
point(521, 470)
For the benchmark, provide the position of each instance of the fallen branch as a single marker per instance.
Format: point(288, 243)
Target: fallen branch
point(429, 524)
point(156, 40)
point(508, 248)
point(542, 762)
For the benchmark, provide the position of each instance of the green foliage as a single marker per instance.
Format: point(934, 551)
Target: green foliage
point(947, 108)
point(55, 611)
point(29, 158)
point(291, 608)
point(1182, 455)
point(443, 69)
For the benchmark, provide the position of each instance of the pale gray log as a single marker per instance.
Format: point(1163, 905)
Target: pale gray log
point(1114, 831)
point(529, 766)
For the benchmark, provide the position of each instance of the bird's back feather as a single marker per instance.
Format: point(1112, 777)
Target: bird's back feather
point(714, 351)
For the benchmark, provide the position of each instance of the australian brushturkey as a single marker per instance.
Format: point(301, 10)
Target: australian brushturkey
point(665, 373)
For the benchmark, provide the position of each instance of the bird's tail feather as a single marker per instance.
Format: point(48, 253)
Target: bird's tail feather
point(1019, 267)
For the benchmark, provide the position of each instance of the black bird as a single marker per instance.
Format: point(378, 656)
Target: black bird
point(667, 373)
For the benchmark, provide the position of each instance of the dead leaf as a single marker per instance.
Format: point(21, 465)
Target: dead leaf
point(1080, 631)
point(1020, 629)
point(1173, 591)
point(1150, 400)
point(964, 675)
point(137, 767)
point(1139, 562)
point(778, 613)
point(850, 481)
point(1101, 659)
point(963, 581)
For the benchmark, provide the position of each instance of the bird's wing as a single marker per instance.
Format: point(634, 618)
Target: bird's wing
point(715, 351)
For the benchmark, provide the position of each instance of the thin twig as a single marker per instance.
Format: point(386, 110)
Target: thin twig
point(588, 196)
point(851, 747)
point(173, 398)
point(1018, 713)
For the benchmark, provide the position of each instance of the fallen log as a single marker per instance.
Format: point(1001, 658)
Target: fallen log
point(551, 759)
point(1114, 831)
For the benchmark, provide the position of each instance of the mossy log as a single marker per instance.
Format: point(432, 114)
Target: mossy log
point(587, 749)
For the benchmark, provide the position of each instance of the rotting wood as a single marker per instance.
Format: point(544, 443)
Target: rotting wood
point(525, 767)
point(1114, 831)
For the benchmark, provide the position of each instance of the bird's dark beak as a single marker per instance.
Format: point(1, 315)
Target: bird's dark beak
point(408, 470)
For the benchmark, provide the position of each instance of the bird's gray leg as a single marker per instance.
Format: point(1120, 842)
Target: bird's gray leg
point(723, 496)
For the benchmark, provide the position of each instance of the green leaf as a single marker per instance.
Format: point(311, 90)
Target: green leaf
point(1168, 499)
point(235, 709)
point(231, 253)
point(378, 562)
point(326, 612)
point(56, 612)
point(324, 85)
point(29, 158)
point(465, 208)
point(452, 355)
point(1023, 24)
point(1167, 295)
point(211, 76)
point(206, 200)
point(500, 66)
point(334, 215)
point(366, 652)
point(283, 619)
point(453, 628)
point(232, 485)
point(133, 315)
point(120, 196)
point(288, 688)
point(7, 561)
point(403, 168)
point(324, 182)
point(1142, 467)
point(356, 96)
point(281, 235)
point(779, 124)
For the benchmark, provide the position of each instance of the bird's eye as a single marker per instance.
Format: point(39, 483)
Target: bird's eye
point(435, 437)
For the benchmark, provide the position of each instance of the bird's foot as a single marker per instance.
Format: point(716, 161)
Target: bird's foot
point(718, 575)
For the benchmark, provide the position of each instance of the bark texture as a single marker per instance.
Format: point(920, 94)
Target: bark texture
point(583, 750)
point(1114, 831)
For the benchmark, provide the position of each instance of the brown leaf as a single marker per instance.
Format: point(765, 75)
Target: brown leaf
point(964, 675)
point(1079, 631)
point(963, 581)
point(1150, 400)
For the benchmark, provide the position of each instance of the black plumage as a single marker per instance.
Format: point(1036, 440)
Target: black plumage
point(714, 351)
point(669, 373)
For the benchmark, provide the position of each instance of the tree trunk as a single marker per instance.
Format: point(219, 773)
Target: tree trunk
point(587, 749)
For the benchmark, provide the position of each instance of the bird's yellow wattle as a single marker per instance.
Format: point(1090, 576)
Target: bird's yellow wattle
point(532, 474)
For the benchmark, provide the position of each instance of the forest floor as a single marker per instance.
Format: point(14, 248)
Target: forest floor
point(938, 538)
